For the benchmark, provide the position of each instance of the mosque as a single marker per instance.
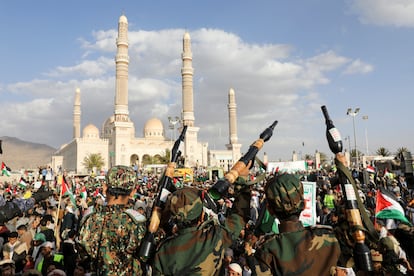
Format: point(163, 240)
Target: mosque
point(116, 141)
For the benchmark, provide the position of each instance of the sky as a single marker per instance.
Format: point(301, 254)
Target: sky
point(284, 60)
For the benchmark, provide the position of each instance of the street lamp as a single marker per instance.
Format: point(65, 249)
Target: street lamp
point(365, 117)
point(353, 114)
point(173, 122)
point(347, 138)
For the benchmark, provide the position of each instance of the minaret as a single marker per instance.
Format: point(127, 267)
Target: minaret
point(232, 117)
point(123, 128)
point(76, 115)
point(187, 72)
point(233, 145)
point(193, 151)
point(122, 62)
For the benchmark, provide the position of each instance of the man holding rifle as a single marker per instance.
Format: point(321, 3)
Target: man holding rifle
point(297, 250)
point(198, 246)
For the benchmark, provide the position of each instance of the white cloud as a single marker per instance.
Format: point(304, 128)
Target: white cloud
point(87, 68)
point(270, 84)
point(397, 13)
point(358, 67)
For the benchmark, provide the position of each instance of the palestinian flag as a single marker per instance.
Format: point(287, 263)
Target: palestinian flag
point(65, 191)
point(95, 194)
point(5, 170)
point(370, 169)
point(388, 207)
point(22, 183)
point(187, 177)
point(84, 193)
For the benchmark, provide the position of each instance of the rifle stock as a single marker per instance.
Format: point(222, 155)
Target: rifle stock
point(221, 186)
point(147, 248)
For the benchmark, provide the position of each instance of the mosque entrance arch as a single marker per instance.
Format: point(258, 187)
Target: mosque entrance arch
point(134, 161)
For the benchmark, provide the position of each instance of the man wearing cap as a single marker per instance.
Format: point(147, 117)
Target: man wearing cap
point(235, 270)
point(198, 247)
point(297, 250)
point(34, 251)
point(49, 258)
point(112, 233)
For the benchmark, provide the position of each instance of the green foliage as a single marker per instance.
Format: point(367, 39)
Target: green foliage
point(163, 158)
point(383, 152)
point(353, 153)
point(401, 150)
point(93, 160)
point(324, 157)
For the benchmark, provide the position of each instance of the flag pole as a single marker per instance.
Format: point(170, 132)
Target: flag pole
point(60, 181)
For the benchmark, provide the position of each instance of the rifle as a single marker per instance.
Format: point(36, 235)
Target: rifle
point(166, 187)
point(221, 186)
point(361, 252)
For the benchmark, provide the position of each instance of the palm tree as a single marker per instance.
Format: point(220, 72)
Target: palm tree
point(354, 152)
point(166, 157)
point(148, 160)
point(383, 151)
point(323, 156)
point(309, 157)
point(401, 150)
point(93, 160)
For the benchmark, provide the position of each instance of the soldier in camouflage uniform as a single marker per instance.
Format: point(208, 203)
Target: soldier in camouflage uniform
point(198, 246)
point(297, 250)
point(112, 232)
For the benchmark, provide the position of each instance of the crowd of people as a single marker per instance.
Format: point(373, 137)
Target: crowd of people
point(92, 226)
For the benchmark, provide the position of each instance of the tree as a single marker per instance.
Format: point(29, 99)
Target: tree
point(309, 157)
point(401, 150)
point(323, 157)
point(354, 152)
point(383, 151)
point(166, 157)
point(148, 160)
point(93, 160)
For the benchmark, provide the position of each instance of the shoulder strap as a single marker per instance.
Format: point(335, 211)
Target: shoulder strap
point(135, 215)
point(320, 226)
point(88, 212)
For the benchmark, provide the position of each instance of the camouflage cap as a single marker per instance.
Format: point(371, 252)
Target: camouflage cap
point(185, 204)
point(286, 193)
point(122, 177)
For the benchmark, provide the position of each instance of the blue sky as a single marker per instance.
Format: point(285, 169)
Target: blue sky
point(284, 60)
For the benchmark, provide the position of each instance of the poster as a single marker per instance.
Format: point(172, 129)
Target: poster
point(308, 215)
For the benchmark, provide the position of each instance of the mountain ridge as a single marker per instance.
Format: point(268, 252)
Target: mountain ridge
point(19, 154)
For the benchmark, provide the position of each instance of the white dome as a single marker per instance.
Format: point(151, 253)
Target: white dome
point(90, 131)
point(154, 128)
point(123, 19)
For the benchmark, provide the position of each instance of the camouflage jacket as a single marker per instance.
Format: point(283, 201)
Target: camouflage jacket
point(197, 250)
point(110, 235)
point(298, 250)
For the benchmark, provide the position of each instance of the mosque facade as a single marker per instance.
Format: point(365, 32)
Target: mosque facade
point(116, 141)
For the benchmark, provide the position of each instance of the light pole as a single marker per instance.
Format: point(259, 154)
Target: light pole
point(173, 122)
point(347, 138)
point(365, 117)
point(353, 114)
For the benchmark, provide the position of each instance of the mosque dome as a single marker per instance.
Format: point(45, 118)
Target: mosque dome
point(154, 128)
point(90, 131)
